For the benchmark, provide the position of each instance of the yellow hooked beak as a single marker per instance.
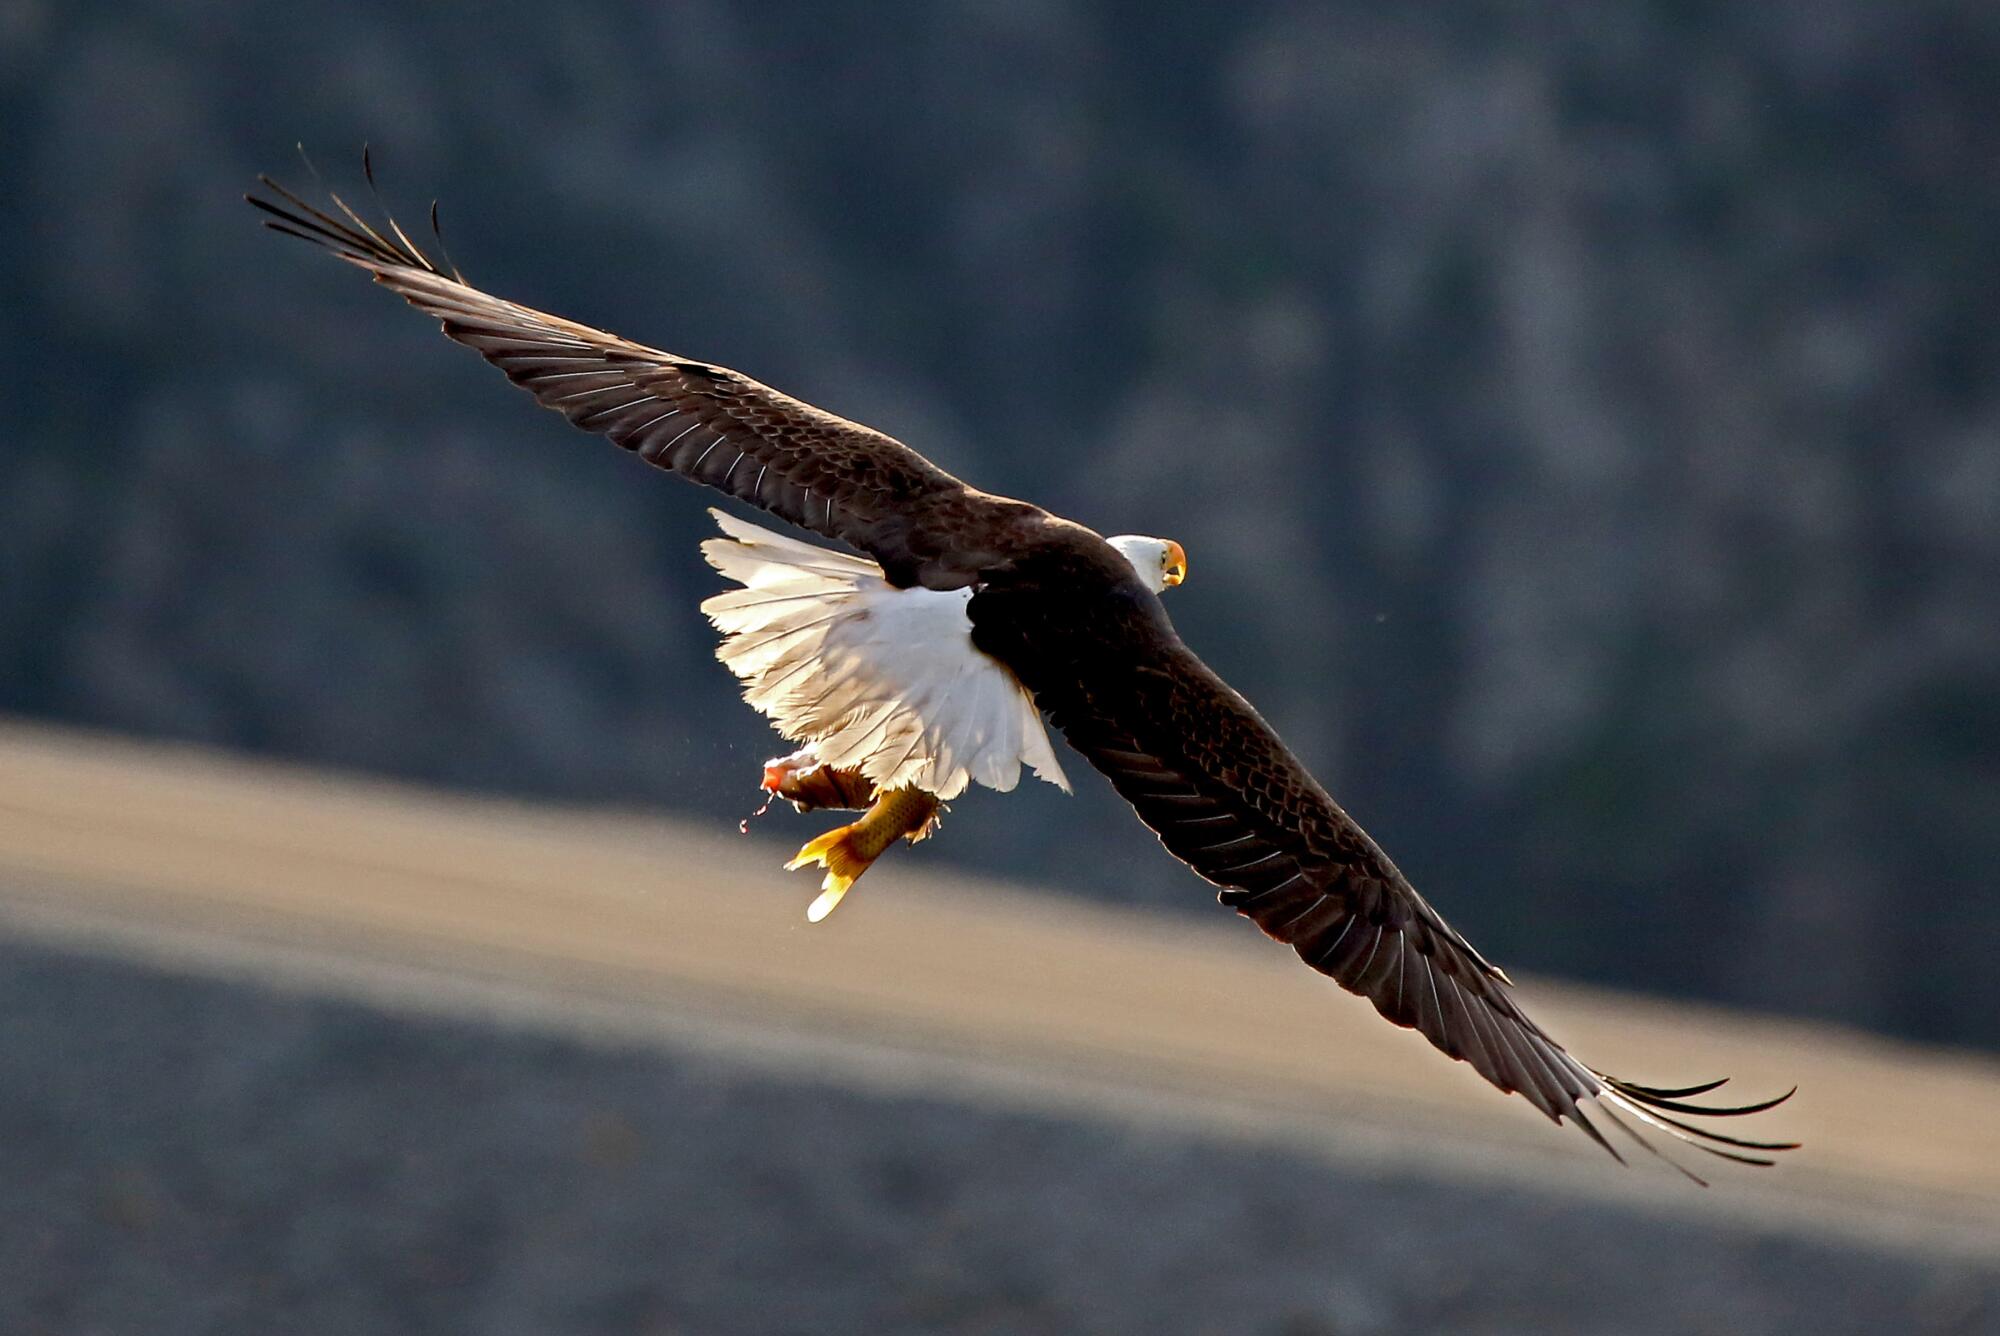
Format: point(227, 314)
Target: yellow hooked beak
point(1173, 564)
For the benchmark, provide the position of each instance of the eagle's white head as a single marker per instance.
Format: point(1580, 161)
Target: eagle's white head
point(1160, 562)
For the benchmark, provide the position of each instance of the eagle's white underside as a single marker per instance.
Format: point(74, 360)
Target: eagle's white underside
point(883, 680)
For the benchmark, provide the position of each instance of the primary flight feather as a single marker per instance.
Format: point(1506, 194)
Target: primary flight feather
point(930, 664)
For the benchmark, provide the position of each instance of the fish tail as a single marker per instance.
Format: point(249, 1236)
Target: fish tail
point(848, 851)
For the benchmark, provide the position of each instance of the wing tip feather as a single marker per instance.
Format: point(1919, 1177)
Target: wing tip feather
point(1657, 1106)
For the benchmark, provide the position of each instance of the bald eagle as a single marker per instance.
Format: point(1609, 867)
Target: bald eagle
point(930, 662)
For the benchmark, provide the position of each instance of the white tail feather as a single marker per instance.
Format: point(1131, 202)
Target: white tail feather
point(882, 680)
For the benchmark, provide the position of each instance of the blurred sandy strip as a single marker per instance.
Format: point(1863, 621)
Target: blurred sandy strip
point(638, 929)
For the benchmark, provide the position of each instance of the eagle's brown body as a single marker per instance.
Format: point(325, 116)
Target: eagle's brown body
point(1065, 612)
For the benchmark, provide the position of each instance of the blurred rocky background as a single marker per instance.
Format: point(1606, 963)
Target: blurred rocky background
point(1583, 420)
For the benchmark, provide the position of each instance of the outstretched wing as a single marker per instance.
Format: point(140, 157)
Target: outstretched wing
point(708, 423)
point(1226, 796)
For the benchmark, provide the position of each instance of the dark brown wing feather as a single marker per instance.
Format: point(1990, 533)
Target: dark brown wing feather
point(708, 423)
point(1224, 794)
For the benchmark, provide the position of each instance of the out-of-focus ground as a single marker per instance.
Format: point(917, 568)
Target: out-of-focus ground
point(284, 1051)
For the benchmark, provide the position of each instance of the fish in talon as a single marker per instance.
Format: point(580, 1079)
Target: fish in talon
point(848, 851)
